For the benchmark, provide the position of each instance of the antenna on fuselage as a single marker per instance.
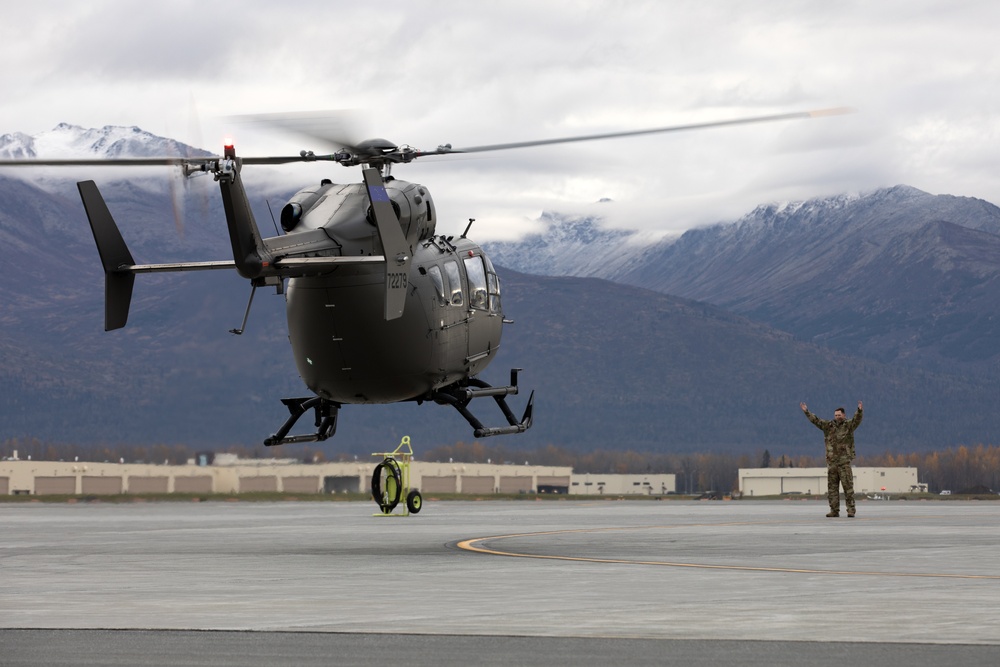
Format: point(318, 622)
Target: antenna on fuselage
point(468, 227)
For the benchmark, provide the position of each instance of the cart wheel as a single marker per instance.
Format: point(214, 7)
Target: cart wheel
point(414, 501)
point(387, 485)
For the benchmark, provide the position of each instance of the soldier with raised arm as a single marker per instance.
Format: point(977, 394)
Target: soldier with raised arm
point(839, 437)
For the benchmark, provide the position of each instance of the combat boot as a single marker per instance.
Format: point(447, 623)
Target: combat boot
point(834, 513)
point(850, 514)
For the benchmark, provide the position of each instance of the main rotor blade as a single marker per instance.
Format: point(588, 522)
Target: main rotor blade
point(445, 150)
point(97, 162)
point(378, 152)
point(157, 161)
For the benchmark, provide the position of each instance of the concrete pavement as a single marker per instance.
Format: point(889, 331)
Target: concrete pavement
point(901, 574)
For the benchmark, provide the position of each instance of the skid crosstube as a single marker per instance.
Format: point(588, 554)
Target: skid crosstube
point(460, 394)
point(326, 420)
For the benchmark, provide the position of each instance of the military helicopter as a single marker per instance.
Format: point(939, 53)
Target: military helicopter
point(380, 308)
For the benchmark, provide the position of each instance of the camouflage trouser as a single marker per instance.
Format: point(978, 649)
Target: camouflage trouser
point(839, 474)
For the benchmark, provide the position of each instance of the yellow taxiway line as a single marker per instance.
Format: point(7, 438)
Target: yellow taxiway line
point(475, 545)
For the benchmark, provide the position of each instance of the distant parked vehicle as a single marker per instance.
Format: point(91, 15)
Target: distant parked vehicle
point(946, 492)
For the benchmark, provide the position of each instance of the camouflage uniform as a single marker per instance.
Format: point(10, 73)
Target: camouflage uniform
point(839, 437)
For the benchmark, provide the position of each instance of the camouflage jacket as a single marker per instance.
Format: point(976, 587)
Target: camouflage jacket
point(839, 436)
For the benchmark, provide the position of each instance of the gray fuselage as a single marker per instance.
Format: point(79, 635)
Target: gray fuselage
point(345, 349)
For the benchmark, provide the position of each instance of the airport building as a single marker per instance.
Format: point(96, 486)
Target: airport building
point(226, 474)
point(812, 481)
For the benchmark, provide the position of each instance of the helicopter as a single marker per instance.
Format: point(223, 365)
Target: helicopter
point(380, 307)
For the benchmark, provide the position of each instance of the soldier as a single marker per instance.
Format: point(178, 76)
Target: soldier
point(839, 437)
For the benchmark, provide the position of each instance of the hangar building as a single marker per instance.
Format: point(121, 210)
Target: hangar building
point(231, 475)
point(812, 481)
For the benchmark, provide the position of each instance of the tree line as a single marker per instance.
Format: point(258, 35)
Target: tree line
point(963, 468)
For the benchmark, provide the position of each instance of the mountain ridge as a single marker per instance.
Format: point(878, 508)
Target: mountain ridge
point(614, 365)
point(827, 270)
point(66, 141)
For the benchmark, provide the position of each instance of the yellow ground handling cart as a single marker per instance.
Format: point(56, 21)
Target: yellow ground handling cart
point(391, 481)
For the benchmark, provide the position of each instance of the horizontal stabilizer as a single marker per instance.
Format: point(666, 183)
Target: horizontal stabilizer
point(308, 266)
point(180, 266)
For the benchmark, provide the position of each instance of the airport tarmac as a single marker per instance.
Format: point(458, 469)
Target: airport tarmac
point(500, 582)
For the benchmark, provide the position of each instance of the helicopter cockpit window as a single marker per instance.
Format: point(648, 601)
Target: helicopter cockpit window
point(477, 282)
point(438, 279)
point(454, 282)
point(493, 284)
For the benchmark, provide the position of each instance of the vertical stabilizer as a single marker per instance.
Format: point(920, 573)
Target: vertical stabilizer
point(115, 257)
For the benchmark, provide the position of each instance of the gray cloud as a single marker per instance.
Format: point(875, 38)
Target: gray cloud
point(919, 71)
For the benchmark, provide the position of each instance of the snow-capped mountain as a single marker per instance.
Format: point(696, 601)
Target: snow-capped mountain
point(896, 274)
point(67, 141)
point(574, 246)
point(167, 217)
point(580, 246)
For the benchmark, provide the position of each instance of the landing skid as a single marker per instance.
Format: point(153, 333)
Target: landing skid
point(457, 395)
point(460, 394)
point(326, 420)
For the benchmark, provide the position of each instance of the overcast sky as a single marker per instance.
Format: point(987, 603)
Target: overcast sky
point(923, 75)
